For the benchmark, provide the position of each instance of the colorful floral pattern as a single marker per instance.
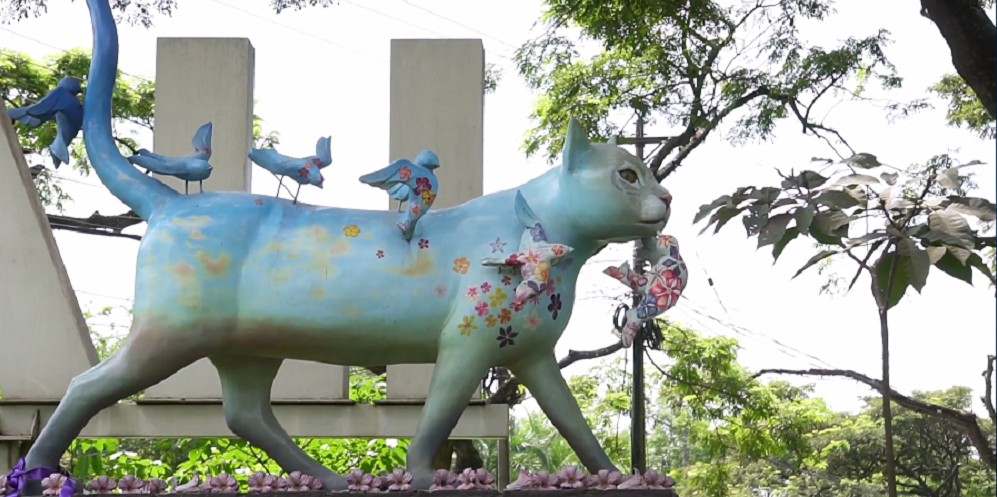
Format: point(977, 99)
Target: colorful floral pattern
point(506, 280)
point(472, 292)
point(491, 320)
point(505, 316)
point(258, 201)
point(481, 308)
point(486, 287)
point(506, 337)
point(554, 306)
point(498, 246)
point(466, 325)
point(440, 290)
point(461, 265)
point(380, 254)
point(532, 320)
point(423, 243)
point(351, 230)
point(657, 290)
point(497, 297)
point(534, 259)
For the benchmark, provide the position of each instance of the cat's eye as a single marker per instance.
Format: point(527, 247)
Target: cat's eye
point(629, 175)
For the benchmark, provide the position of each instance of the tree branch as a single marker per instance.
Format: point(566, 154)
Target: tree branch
point(967, 421)
point(972, 40)
point(97, 224)
point(988, 396)
point(507, 392)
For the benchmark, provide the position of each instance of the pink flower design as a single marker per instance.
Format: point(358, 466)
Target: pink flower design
point(506, 280)
point(481, 308)
point(303, 171)
point(532, 320)
point(404, 173)
point(399, 481)
point(415, 209)
point(423, 243)
point(550, 286)
point(486, 287)
point(472, 292)
point(516, 305)
point(421, 185)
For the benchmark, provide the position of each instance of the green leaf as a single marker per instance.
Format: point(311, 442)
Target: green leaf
point(837, 199)
point(829, 227)
point(889, 178)
point(721, 217)
point(705, 210)
point(935, 253)
point(949, 228)
point(765, 195)
point(806, 179)
point(977, 262)
point(981, 208)
point(951, 266)
point(823, 254)
point(868, 237)
point(774, 229)
point(900, 280)
point(780, 245)
point(863, 160)
point(917, 261)
point(804, 218)
point(857, 179)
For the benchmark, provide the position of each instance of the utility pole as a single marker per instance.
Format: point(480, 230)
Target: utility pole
point(638, 428)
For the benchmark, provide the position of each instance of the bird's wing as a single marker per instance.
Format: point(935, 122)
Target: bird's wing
point(202, 137)
point(524, 212)
point(157, 166)
point(56, 100)
point(401, 191)
point(145, 153)
point(25, 119)
point(390, 176)
point(267, 158)
point(323, 150)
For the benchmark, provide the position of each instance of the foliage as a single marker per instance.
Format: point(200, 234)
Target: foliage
point(690, 65)
point(964, 109)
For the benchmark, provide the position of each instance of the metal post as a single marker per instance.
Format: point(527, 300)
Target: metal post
point(638, 437)
point(503, 463)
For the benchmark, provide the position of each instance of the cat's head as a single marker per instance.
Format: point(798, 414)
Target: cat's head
point(606, 193)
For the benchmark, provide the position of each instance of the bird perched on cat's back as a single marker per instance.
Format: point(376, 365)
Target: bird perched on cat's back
point(273, 161)
point(62, 105)
point(419, 182)
point(190, 167)
point(401, 191)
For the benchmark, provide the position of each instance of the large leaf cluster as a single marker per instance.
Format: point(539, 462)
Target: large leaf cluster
point(905, 222)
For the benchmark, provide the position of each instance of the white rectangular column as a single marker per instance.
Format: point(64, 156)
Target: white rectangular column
point(45, 339)
point(437, 103)
point(211, 79)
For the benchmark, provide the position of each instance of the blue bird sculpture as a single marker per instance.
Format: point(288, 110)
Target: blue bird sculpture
point(271, 160)
point(401, 191)
point(62, 105)
point(409, 181)
point(191, 167)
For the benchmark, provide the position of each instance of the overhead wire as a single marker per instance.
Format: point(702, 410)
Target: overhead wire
point(61, 50)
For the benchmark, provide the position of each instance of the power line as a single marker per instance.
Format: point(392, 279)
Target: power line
point(285, 26)
point(430, 12)
point(62, 50)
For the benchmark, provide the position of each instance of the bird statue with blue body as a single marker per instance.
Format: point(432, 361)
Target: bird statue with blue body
point(62, 105)
point(190, 167)
point(401, 191)
point(409, 181)
point(273, 161)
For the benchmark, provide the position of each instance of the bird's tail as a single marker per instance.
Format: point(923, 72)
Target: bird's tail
point(144, 194)
point(323, 149)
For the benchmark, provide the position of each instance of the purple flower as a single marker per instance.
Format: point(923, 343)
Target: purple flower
point(399, 480)
point(466, 480)
point(260, 482)
point(223, 483)
point(524, 482)
point(358, 481)
point(129, 484)
point(378, 484)
point(605, 479)
point(483, 479)
point(102, 485)
point(191, 487)
point(155, 486)
point(537, 233)
point(53, 483)
point(572, 477)
point(505, 337)
point(655, 480)
point(555, 305)
point(443, 480)
point(546, 481)
point(634, 481)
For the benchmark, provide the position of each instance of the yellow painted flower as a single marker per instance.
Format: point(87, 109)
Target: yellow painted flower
point(351, 230)
point(461, 265)
point(558, 280)
point(542, 271)
point(497, 297)
point(428, 196)
point(467, 325)
point(491, 320)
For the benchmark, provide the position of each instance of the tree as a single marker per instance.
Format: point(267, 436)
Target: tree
point(915, 222)
point(964, 108)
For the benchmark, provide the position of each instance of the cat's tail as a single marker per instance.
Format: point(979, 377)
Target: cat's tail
point(144, 194)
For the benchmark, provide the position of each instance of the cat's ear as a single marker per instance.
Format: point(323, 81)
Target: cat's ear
point(576, 145)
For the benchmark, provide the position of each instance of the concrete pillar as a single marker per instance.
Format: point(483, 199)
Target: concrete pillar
point(45, 339)
point(211, 79)
point(437, 103)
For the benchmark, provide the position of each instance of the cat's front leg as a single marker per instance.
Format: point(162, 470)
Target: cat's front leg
point(542, 376)
point(459, 368)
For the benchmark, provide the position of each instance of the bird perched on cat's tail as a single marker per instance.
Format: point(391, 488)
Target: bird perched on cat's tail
point(191, 167)
point(62, 105)
point(420, 187)
point(271, 160)
point(401, 191)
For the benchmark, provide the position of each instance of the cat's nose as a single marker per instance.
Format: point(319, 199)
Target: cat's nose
point(667, 199)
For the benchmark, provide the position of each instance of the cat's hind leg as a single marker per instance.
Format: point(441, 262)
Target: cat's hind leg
point(246, 383)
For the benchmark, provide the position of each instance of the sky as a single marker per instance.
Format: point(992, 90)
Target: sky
point(940, 337)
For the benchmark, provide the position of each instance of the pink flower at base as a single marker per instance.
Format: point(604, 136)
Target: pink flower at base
point(605, 479)
point(399, 480)
point(524, 482)
point(483, 479)
point(156, 486)
point(546, 481)
point(260, 482)
point(466, 479)
point(358, 481)
point(102, 485)
point(572, 477)
point(377, 485)
point(53, 483)
point(129, 484)
point(222, 483)
point(656, 481)
point(632, 482)
point(443, 480)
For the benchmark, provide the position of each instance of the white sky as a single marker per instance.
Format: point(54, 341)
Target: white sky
point(940, 338)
